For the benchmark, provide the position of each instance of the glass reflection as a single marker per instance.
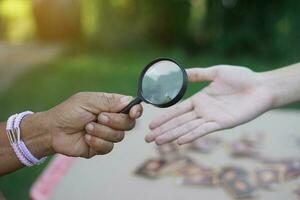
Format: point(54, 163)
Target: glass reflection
point(162, 82)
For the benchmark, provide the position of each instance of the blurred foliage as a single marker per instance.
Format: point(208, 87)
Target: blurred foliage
point(229, 27)
point(16, 20)
point(57, 19)
point(134, 23)
point(253, 27)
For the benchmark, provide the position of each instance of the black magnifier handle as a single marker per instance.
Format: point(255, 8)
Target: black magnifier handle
point(134, 102)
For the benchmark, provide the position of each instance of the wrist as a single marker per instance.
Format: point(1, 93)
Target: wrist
point(272, 87)
point(37, 135)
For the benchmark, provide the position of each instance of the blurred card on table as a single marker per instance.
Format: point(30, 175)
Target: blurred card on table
point(168, 151)
point(297, 192)
point(243, 149)
point(151, 168)
point(232, 173)
point(173, 167)
point(291, 168)
point(205, 177)
point(240, 189)
point(268, 178)
point(205, 144)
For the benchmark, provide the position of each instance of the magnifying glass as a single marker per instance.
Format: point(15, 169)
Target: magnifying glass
point(162, 83)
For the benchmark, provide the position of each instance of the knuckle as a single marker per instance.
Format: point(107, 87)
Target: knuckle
point(93, 142)
point(79, 95)
point(108, 99)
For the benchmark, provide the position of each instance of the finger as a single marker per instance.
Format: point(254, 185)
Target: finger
point(118, 121)
point(173, 123)
point(136, 111)
point(201, 131)
point(99, 145)
point(201, 74)
point(172, 112)
point(104, 132)
point(173, 134)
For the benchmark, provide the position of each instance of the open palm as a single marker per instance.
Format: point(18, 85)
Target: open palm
point(234, 96)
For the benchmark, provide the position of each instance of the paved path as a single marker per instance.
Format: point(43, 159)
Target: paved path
point(17, 59)
point(111, 177)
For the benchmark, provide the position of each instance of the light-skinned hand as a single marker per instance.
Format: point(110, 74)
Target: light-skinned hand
point(235, 95)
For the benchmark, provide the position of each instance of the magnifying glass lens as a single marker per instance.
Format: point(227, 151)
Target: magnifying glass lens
point(162, 82)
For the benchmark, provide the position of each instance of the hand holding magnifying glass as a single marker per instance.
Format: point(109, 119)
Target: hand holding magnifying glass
point(162, 83)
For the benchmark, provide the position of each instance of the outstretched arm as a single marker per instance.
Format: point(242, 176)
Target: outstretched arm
point(284, 83)
point(85, 125)
point(235, 96)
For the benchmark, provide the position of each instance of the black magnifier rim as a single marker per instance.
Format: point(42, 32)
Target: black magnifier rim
point(180, 93)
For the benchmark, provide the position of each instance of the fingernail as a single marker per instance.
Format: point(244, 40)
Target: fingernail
point(149, 139)
point(103, 118)
point(126, 99)
point(90, 128)
point(181, 141)
point(88, 137)
point(146, 140)
point(158, 142)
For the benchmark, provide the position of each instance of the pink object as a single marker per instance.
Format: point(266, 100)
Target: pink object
point(51, 176)
point(20, 155)
point(14, 135)
point(13, 139)
point(28, 155)
point(23, 149)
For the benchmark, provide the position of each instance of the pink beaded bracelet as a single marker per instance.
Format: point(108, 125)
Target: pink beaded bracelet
point(13, 140)
point(14, 135)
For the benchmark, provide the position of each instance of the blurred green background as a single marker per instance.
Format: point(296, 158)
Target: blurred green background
point(51, 49)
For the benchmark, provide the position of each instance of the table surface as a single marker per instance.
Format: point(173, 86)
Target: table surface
point(111, 176)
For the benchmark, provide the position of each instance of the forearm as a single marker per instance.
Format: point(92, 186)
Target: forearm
point(35, 134)
point(284, 85)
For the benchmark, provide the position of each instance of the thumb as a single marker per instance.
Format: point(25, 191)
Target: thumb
point(97, 102)
point(116, 102)
point(201, 74)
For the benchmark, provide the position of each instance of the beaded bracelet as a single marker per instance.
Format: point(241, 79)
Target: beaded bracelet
point(13, 141)
point(14, 134)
